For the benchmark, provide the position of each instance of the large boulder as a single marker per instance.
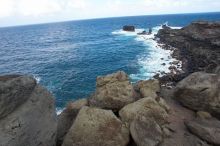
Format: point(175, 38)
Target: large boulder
point(129, 28)
point(148, 88)
point(29, 121)
point(200, 91)
point(67, 117)
point(206, 129)
point(146, 107)
point(14, 91)
point(146, 132)
point(96, 127)
point(113, 91)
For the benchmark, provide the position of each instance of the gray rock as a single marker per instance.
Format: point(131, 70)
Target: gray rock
point(206, 129)
point(14, 91)
point(146, 132)
point(32, 122)
point(113, 92)
point(67, 117)
point(200, 91)
point(97, 127)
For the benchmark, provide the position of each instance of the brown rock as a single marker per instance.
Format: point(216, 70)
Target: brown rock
point(97, 127)
point(67, 117)
point(113, 92)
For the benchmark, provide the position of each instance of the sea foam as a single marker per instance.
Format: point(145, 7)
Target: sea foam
point(151, 62)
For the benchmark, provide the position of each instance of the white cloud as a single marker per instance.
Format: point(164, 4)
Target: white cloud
point(6, 8)
point(35, 11)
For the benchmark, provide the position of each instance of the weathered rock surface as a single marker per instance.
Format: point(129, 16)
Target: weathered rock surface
point(148, 88)
point(206, 129)
point(129, 28)
point(67, 117)
point(30, 119)
point(198, 44)
point(146, 107)
point(146, 132)
point(14, 90)
point(200, 91)
point(97, 127)
point(113, 92)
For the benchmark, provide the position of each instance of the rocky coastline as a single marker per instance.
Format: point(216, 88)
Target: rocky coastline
point(120, 113)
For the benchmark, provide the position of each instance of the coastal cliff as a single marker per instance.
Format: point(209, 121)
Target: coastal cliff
point(120, 113)
point(196, 45)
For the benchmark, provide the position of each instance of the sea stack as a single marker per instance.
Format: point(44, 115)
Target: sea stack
point(129, 28)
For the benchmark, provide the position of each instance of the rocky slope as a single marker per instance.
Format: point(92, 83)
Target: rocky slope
point(197, 45)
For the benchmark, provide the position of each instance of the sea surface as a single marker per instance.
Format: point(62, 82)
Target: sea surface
point(67, 57)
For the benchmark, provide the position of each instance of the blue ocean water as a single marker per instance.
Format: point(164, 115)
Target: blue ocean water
point(67, 57)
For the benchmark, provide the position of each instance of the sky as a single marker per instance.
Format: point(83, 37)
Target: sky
point(21, 12)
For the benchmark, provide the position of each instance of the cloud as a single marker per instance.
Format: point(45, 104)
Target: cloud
point(38, 11)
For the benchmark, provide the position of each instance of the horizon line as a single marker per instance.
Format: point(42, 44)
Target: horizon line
point(97, 18)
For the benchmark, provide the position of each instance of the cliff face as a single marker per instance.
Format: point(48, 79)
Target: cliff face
point(27, 113)
point(198, 45)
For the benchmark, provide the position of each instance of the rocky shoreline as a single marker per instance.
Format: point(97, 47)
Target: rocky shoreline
point(119, 113)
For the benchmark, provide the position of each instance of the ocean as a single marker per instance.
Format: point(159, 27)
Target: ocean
point(67, 57)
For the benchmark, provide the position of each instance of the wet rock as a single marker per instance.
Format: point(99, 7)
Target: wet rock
point(67, 117)
point(97, 127)
point(206, 129)
point(129, 28)
point(113, 92)
point(200, 91)
point(146, 107)
point(30, 119)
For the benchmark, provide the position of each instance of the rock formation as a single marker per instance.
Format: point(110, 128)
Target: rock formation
point(27, 112)
point(129, 28)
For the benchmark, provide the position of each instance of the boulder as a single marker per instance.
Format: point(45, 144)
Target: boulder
point(129, 28)
point(146, 132)
point(146, 107)
point(206, 129)
point(14, 91)
point(67, 117)
point(97, 127)
point(148, 88)
point(30, 119)
point(200, 91)
point(113, 92)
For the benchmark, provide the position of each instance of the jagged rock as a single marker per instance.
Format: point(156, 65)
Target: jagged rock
point(67, 117)
point(200, 91)
point(113, 92)
point(206, 129)
point(148, 88)
point(198, 44)
point(129, 28)
point(97, 127)
point(31, 120)
point(14, 91)
point(146, 132)
point(147, 107)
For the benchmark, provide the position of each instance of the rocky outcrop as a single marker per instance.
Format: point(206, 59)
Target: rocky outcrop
point(148, 88)
point(200, 91)
point(97, 127)
point(206, 129)
point(146, 107)
point(67, 117)
point(113, 91)
point(129, 28)
point(198, 45)
point(28, 115)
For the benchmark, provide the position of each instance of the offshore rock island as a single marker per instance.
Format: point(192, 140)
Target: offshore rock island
point(119, 113)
